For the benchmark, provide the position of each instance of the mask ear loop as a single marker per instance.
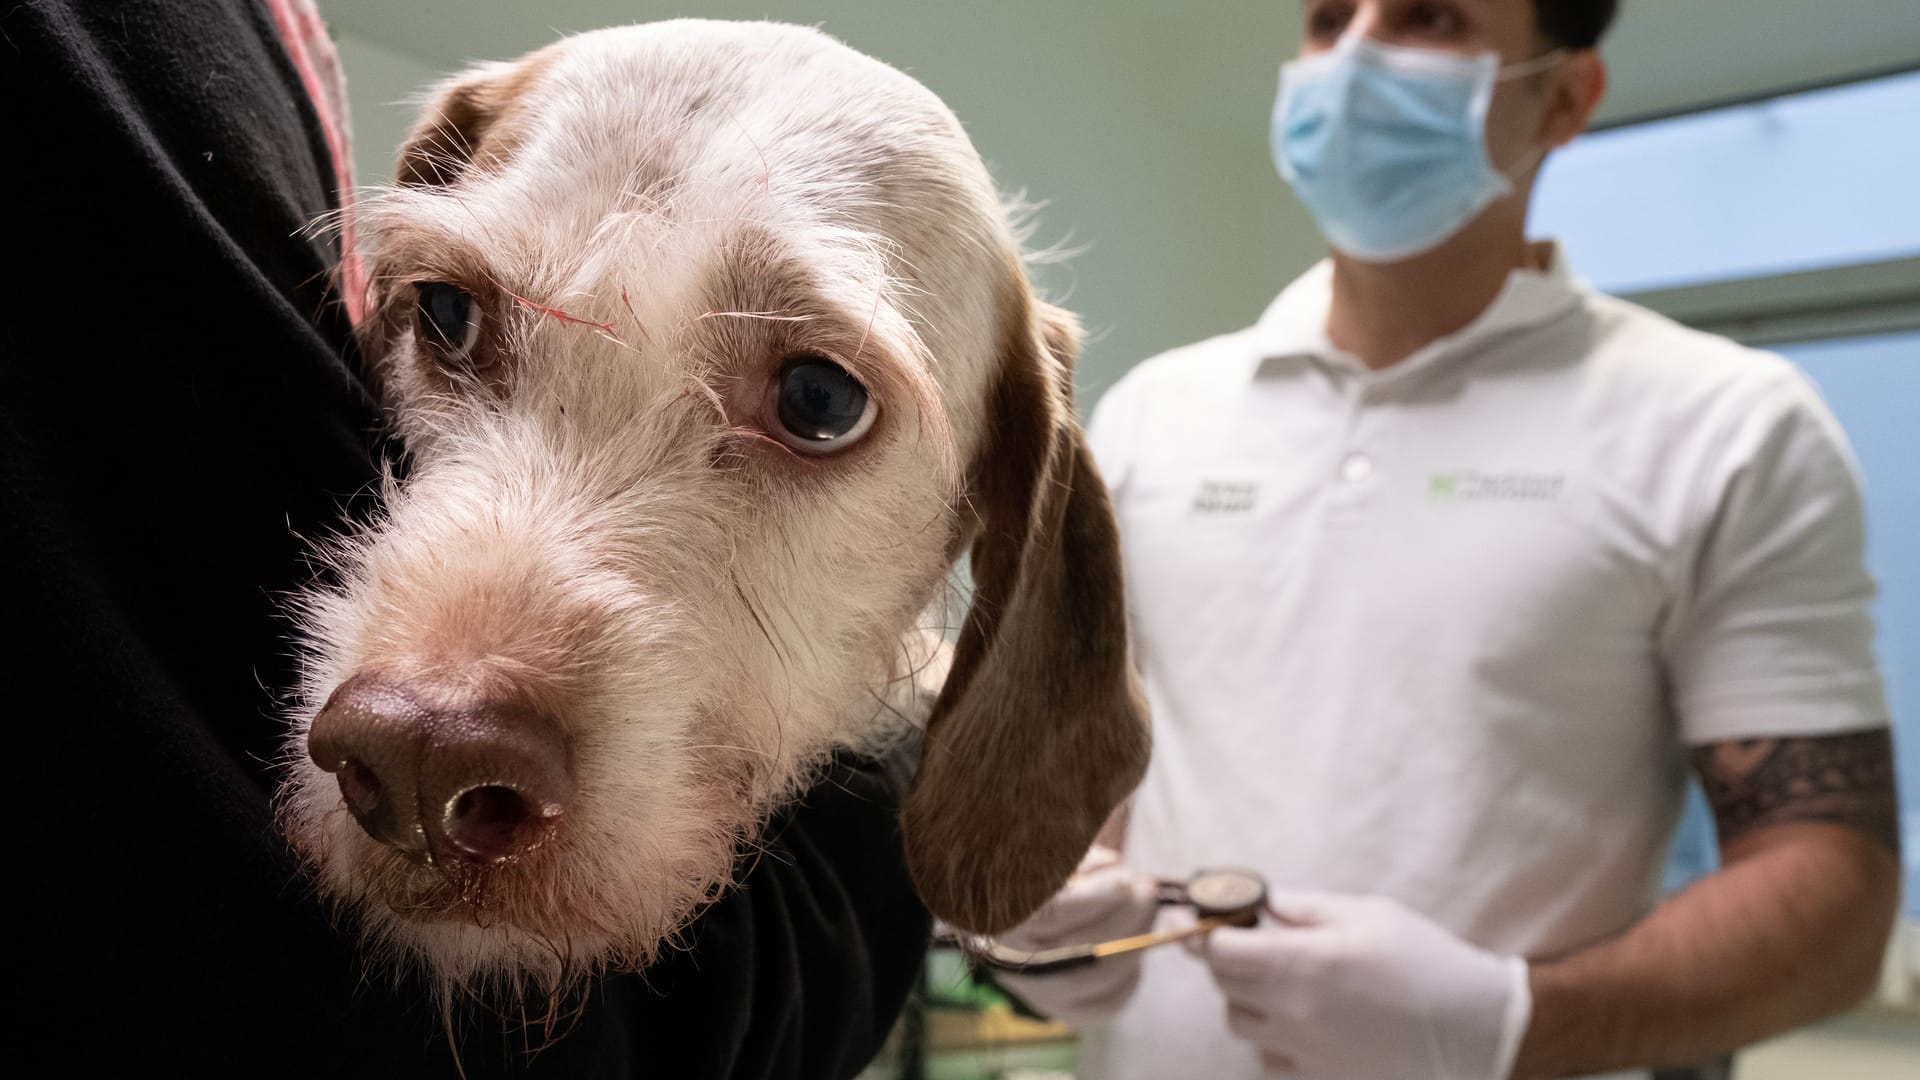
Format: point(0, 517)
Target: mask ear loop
point(1522, 68)
point(1546, 61)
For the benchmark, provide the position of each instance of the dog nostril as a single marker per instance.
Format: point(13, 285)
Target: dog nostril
point(491, 823)
point(369, 736)
point(360, 787)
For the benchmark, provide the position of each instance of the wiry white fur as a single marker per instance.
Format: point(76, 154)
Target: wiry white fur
point(706, 617)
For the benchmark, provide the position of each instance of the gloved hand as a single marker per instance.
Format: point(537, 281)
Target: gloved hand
point(1362, 988)
point(1103, 900)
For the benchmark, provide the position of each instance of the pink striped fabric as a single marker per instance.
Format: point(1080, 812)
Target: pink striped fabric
point(307, 43)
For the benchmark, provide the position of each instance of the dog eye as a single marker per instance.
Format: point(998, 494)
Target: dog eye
point(447, 317)
point(819, 407)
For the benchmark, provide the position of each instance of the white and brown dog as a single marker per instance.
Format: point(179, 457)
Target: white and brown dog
point(712, 350)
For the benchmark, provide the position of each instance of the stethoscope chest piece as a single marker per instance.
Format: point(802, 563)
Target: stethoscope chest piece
point(1231, 893)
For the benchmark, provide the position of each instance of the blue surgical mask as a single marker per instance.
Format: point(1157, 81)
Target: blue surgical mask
point(1387, 147)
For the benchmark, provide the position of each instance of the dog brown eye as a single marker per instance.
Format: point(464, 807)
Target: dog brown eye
point(818, 407)
point(447, 318)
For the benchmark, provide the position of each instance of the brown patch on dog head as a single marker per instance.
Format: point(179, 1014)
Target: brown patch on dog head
point(464, 129)
point(1040, 730)
point(473, 125)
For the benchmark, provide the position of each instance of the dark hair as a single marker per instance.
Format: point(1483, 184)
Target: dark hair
point(1574, 24)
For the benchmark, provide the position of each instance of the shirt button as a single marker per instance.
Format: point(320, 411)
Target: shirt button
point(1356, 467)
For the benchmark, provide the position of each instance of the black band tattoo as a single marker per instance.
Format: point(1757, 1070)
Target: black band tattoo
point(1838, 779)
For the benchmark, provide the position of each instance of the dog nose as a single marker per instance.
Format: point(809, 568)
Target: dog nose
point(478, 778)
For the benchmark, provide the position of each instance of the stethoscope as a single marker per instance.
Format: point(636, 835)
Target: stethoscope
point(1219, 896)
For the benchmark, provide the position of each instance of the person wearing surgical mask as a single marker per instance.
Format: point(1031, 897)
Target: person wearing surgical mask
point(1443, 576)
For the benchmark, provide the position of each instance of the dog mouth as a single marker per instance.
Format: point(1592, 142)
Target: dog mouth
point(429, 890)
point(532, 893)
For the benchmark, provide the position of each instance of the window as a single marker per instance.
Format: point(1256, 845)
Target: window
point(1805, 182)
point(1790, 224)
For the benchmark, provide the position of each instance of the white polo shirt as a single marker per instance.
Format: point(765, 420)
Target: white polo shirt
point(1443, 632)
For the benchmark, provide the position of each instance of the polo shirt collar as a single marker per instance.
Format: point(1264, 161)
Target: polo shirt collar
point(1294, 326)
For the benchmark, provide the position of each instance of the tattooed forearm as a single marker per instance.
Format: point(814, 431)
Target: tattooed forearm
point(1839, 779)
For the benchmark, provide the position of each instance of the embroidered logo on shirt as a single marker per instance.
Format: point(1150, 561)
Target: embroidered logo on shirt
point(1224, 497)
point(1469, 486)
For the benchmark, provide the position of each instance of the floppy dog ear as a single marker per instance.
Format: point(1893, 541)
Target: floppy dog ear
point(456, 133)
point(1040, 730)
point(468, 126)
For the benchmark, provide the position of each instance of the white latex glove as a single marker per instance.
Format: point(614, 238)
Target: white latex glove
point(1362, 988)
point(1103, 900)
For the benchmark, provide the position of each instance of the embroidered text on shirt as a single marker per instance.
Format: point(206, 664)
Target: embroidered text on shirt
point(1470, 486)
point(1224, 497)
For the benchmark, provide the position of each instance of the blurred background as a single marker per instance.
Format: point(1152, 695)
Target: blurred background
point(1755, 171)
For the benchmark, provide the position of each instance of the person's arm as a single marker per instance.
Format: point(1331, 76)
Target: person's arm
point(1769, 634)
point(1791, 929)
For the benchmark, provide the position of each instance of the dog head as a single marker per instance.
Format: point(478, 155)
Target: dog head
point(711, 351)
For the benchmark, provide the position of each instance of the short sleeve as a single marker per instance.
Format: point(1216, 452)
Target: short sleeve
point(1772, 634)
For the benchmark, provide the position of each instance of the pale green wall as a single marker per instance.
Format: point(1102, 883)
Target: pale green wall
point(1143, 125)
point(382, 85)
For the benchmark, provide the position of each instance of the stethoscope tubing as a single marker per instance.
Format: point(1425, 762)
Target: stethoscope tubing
point(1169, 893)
